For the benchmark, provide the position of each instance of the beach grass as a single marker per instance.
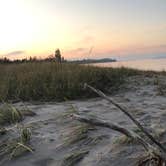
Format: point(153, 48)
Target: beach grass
point(51, 81)
point(9, 114)
point(12, 115)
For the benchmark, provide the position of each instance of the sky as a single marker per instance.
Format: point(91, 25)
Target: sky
point(83, 28)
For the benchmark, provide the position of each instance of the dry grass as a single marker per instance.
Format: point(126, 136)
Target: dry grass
point(161, 89)
point(9, 114)
point(74, 158)
point(150, 159)
point(76, 134)
point(2, 130)
point(46, 81)
point(16, 147)
point(19, 143)
point(160, 85)
point(122, 140)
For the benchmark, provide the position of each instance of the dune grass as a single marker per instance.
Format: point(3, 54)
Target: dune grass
point(9, 114)
point(74, 158)
point(15, 147)
point(19, 143)
point(50, 81)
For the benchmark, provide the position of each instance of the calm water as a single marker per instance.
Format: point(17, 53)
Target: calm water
point(148, 64)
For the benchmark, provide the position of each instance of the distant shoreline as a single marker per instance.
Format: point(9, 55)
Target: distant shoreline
point(144, 65)
point(89, 61)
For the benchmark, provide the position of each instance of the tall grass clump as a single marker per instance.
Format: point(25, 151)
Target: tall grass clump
point(12, 115)
point(9, 114)
point(47, 81)
point(12, 148)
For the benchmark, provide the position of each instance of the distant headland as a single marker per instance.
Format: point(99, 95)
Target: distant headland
point(87, 61)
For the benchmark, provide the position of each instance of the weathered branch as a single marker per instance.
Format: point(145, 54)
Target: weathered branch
point(113, 126)
point(130, 134)
point(101, 94)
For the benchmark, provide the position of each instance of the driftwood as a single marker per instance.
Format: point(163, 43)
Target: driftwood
point(113, 126)
point(153, 154)
point(101, 94)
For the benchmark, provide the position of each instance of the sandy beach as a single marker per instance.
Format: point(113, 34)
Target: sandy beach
point(55, 136)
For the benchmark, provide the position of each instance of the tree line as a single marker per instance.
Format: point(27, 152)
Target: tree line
point(57, 57)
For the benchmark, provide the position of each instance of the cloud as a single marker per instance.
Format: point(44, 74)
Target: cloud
point(14, 53)
point(77, 53)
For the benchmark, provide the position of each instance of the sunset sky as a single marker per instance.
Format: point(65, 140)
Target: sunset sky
point(109, 28)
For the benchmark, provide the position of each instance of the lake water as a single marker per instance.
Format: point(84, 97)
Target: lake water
point(147, 64)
